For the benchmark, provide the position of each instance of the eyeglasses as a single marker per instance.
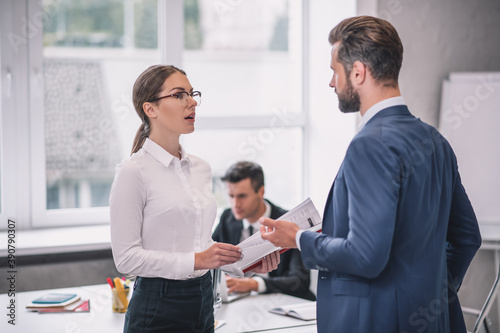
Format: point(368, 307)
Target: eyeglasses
point(183, 97)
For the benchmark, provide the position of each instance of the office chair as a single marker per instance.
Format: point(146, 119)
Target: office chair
point(481, 314)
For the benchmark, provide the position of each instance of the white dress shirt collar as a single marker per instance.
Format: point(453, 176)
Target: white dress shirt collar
point(246, 233)
point(376, 108)
point(161, 155)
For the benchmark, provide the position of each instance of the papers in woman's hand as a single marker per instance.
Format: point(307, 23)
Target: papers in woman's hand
point(254, 248)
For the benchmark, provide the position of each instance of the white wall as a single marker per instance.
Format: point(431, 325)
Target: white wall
point(439, 37)
point(469, 121)
point(330, 130)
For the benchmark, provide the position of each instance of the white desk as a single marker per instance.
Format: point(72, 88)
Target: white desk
point(245, 315)
point(250, 314)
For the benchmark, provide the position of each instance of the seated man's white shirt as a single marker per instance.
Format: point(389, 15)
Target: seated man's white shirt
point(245, 234)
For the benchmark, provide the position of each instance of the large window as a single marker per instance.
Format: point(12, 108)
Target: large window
point(92, 52)
point(81, 59)
point(246, 58)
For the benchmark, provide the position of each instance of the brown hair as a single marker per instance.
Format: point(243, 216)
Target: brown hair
point(374, 42)
point(243, 170)
point(146, 88)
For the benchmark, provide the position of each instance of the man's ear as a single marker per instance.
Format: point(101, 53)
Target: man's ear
point(358, 73)
point(261, 191)
point(150, 109)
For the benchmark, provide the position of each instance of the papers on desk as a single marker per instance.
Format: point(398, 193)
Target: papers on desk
point(254, 248)
point(302, 311)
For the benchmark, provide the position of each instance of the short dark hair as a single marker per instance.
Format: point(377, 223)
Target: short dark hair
point(373, 41)
point(243, 170)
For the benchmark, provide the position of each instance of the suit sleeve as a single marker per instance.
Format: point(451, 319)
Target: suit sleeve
point(293, 280)
point(370, 181)
point(217, 234)
point(463, 237)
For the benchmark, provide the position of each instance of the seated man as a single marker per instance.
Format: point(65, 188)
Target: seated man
point(245, 186)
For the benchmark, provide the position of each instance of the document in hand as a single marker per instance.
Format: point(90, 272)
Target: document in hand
point(302, 311)
point(254, 248)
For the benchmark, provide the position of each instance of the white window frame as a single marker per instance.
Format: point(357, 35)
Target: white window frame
point(299, 119)
point(22, 169)
point(15, 131)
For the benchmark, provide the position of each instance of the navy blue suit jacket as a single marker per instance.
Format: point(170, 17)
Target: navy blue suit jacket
point(399, 233)
point(291, 277)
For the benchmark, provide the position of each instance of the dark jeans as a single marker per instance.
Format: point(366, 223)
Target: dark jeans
point(162, 305)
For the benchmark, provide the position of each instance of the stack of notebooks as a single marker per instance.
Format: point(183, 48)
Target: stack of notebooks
point(57, 302)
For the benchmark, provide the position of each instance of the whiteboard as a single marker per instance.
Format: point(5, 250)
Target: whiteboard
point(470, 120)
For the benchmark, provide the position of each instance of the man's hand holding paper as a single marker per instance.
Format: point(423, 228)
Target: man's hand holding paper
point(258, 251)
point(279, 233)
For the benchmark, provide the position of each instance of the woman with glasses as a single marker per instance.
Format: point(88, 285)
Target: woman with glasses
point(162, 212)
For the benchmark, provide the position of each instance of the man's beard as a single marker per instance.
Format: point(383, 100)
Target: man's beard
point(349, 100)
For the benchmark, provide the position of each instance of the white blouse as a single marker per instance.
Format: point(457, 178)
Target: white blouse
point(162, 212)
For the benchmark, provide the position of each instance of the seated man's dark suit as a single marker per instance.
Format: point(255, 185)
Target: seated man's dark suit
point(291, 277)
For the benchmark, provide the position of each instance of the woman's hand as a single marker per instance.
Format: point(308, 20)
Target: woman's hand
point(219, 254)
point(268, 263)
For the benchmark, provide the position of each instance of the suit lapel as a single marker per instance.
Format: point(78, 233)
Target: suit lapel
point(328, 212)
point(236, 229)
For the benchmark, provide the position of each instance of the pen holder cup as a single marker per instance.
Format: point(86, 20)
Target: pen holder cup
point(118, 305)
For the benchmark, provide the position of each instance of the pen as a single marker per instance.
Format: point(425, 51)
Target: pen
point(121, 292)
point(110, 283)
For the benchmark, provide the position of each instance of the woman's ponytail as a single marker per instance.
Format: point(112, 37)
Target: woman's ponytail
point(140, 136)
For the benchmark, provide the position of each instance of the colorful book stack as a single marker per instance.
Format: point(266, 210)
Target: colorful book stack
point(59, 302)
